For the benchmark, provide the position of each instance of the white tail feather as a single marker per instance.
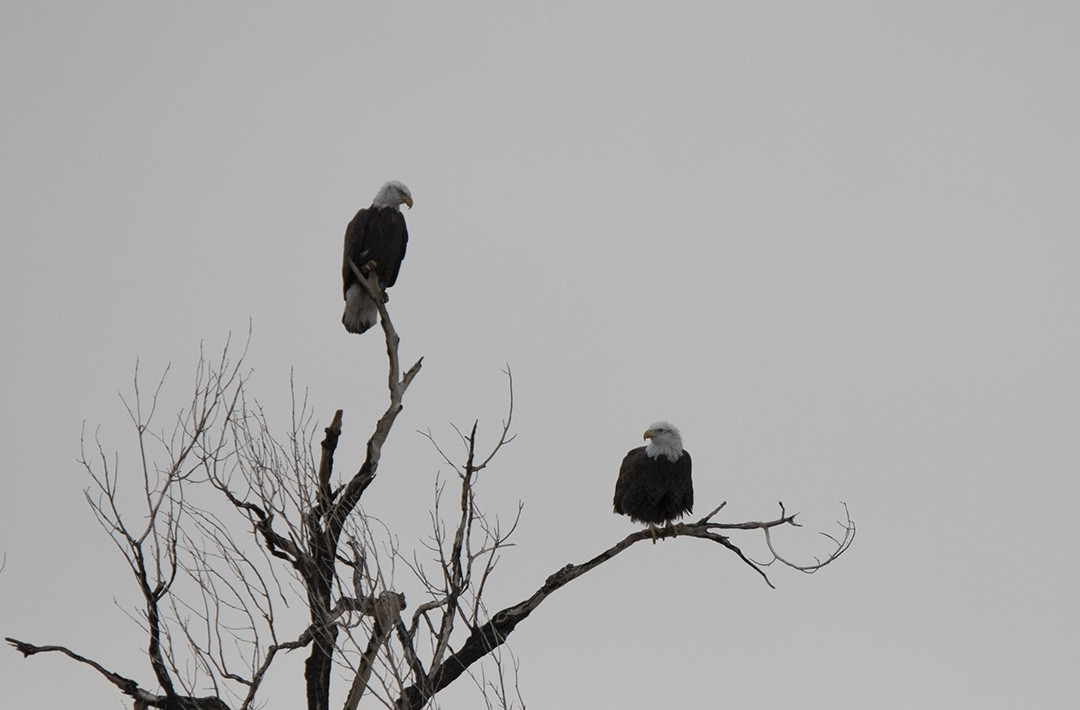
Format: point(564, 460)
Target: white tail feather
point(360, 310)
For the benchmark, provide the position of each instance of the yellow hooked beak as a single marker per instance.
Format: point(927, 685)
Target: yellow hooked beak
point(649, 433)
point(408, 201)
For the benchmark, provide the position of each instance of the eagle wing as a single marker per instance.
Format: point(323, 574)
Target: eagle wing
point(355, 236)
point(684, 483)
point(628, 487)
point(395, 247)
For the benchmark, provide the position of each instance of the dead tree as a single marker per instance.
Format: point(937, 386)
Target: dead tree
point(232, 524)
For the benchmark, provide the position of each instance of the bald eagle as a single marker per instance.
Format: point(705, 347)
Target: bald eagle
point(654, 483)
point(376, 234)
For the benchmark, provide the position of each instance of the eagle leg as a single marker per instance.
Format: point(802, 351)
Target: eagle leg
point(367, 269)
point(653, 532)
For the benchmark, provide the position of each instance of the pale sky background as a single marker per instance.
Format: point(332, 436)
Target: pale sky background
point(837, 244)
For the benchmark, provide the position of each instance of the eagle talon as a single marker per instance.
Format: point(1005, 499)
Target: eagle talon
point(660, 532)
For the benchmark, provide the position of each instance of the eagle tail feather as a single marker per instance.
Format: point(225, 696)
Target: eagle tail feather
point(361, 313)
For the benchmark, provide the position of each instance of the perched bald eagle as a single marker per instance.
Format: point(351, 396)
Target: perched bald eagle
point(376, 234)
point(654, 483)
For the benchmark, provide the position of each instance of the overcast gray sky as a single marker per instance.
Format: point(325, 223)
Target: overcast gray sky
point(835, 243)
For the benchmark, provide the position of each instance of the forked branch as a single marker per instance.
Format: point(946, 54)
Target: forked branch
point(397, 384)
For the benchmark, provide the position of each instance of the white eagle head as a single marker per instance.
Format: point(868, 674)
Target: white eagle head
point(663, 440)
point(393, 194)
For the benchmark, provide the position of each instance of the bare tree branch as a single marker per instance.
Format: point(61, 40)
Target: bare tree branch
point(126, 685)
point(387, 613)
point(363, 478)
point(487, 637)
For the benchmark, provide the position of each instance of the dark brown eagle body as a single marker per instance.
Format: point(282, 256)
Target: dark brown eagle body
point(375, 234)
point(654, 490)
